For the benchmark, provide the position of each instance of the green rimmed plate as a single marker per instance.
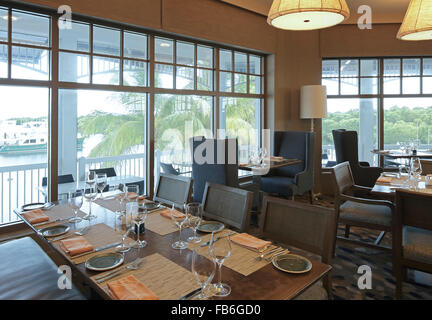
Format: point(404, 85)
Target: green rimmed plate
point(292, 263)
point(54, 231)
point(150, 205)
point(211, 226)
point(106, 261)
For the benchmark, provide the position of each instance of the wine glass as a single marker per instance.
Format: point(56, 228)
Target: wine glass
point(203, 270)
point(179, 220)
point(123, 247)
point(219, 251)
point(415, 168)
point(90, 194)
point(194, 212)
point(90, 178)
point(75, 201)
point(139, 216)
point(101, 182)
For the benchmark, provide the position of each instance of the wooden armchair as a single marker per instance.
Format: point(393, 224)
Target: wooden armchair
point(352, 210)
point(173, 190)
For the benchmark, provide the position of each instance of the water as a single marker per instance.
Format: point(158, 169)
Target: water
point(7, 160)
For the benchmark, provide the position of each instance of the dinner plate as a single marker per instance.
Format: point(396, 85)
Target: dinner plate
point(33, 206)
point(149, 205)
point(292, 263)
point(54, 231)
point(211, 226)
point(106, 261)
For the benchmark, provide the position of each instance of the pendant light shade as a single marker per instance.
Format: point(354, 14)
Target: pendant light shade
point(417, 24)
point(307, 14)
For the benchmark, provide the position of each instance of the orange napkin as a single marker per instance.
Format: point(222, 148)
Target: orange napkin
point(385, 179)
point(35, 216)
point(250, 242)
point(130, 288)
point(166, 213)
point(75, 246)
point(132, 195)
point(243, 164)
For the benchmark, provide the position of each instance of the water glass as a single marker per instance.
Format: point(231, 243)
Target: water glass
point(203, 270)
point(101, 182)
point(90, 194)
point(194, 212)
point(219, 251)
point(139, 216)
point(123, 247)
point(179, 221)
point(75, 201)
point(90, 178)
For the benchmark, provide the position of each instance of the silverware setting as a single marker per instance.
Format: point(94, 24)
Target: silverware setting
point(191, 294)
point(135, 265)
point(268, 259)
point(81, 232)
point(266, 253)
point(53, 221)
point(97, 249)
point(218, 238)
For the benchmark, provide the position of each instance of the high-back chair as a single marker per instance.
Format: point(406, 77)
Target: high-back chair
point(359, 212)
point(173, 190)
point(304, 226)
point(66, 178)
point(426, 167)
point(110, 172)
point(229, 205)
point(412, 235)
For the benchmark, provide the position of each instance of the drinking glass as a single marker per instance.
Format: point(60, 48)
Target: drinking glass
point(139, 216)
point(203, 271)
point(194, 212)
point(90, 194)
point(123, 247)
point(101, 182)
point(415, 168)
point(220, 250)
point(179, 220)
point(90, 178)
point(75, 201)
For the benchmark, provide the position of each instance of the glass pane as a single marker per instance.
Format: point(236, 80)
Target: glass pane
point(254, 64)
point(97, 124)
point(205, 57)
point(30, 29)
point(411, 85)
point(24, 150)
point(204, 79)
point(392, 67)
point(369, 86)
point(185, 78)
point(135, 45)
point(240, 83)
point(3, 61)
point(332, 85)
point(351, 114)
point(427, 67)
point(77, 38)
point(29, 63)
point(4, 25)
point(349, 85)
point(74, 67)
point(392, 85)
point(164, 50)
point(225, 80)
point(330, 68)
point(185, 53)
point(255, 84)
point(411, 67)
point(349, 68)
point(240, 62)
point(177, 119)
point(369, 67)
point(106, 70)
point(164, 76)
point(135, 73)
point(106, 41)
point(427, 85)
point(225, 60)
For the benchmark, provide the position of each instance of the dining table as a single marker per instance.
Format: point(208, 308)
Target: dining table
point(387, 188)
point(399, 154)
point(166, 271)
point(268, 164)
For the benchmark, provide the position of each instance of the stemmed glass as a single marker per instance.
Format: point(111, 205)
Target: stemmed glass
point(139, 217)
point(203, 271)
point(262, 154)
point(123, 247)
point(194, 212)
point(90, 194)
point(416, 169)
point(75, 201)
point(101, 182)
point(219, 251)
point(179, 220)
point(90, 178)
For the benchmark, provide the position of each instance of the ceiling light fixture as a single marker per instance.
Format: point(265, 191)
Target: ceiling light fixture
point(165, 44)
point(417, 24)
point(307, 14)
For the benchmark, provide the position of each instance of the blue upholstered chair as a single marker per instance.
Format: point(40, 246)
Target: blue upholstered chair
point(297, 179)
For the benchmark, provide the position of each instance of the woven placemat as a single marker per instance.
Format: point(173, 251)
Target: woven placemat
point(159, 224)
point(241, 260)
point(166, 279)
point(110, 204)
point(57, 212)
point(99, 235)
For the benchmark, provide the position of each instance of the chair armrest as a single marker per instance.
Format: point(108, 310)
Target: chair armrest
point(364, 164)
point(367, 201)
point(361, 188)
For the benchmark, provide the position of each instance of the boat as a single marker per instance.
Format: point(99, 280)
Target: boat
point(32, 146)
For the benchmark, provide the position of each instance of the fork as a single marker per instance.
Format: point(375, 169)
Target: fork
point(260, 257)
point(276, 254)
point(78, 233)
point(133, 266)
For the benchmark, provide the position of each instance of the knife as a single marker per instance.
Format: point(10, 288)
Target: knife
point(98, 249)
point(49, 222)
point(218, 238)
point(191, 294)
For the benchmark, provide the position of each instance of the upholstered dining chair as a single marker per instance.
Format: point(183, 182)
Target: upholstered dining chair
point(306, 227)
point(173, 190)
point(110, 172)
point(229, 205)
point(426, 166)
point(360, 212)
point(412, 235)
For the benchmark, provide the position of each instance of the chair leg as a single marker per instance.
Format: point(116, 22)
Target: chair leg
point(347, 231)
point(310, 197)
point(399, 274)
point(327, 284)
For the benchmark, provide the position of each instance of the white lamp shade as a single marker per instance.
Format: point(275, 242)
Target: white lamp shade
point(313, 102)
point(417, 24)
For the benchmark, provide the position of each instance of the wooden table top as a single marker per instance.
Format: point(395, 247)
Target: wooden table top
point(399, 154)
point(265, 284)
point(388, 189)
point(271, 165)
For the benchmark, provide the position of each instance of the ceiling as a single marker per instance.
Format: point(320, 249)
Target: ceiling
point(383, 11)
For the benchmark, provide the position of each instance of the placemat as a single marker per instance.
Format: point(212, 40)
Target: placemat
point(99, 235)
point(57, 212)
point(241, 260)
point(166, 279)
point(110, 204)
point(159, 224)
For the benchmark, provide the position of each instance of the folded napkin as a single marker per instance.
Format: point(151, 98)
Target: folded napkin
point(131, 195)
point(35, 216)
point(276, 159)
point(130, 288)
point(250, 242)
point(385, 179)
point(243, 164)
point(166, 213)
point(75, 246)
